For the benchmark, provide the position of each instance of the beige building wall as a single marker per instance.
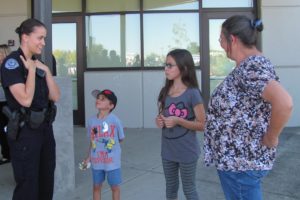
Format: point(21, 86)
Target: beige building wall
point(12, 13)
point(137, 94)
point(281, 43)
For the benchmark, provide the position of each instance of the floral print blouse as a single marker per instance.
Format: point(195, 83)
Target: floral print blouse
point(238, 117)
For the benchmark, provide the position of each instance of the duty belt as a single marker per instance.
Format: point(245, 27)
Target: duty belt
point(18, 118)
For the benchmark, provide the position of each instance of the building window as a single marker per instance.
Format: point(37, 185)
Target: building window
point(220, 65)
point(166, 31)
point(170, 5)
point(113, 41)
point(227, 4)
point(137, 34)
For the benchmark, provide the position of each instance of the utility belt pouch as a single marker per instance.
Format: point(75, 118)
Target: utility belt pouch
point(36, 118)
point(51, 113)
point(14, 122)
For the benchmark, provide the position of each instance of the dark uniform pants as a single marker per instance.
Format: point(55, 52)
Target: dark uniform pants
point(33, 162)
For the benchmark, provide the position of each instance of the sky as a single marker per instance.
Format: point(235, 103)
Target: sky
point(64, 36)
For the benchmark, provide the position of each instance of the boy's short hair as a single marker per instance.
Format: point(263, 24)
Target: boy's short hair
point(110, 95)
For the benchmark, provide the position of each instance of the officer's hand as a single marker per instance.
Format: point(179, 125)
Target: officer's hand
point(29, 63)
point(41, 65)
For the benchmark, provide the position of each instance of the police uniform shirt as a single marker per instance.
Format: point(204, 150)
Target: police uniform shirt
point(13, 71)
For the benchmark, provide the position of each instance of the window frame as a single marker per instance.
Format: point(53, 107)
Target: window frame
point(204, 15)
point(202, 12)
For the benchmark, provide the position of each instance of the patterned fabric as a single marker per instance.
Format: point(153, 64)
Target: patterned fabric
point(238, 117)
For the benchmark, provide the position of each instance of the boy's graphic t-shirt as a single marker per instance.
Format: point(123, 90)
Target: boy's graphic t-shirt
point(104, 135)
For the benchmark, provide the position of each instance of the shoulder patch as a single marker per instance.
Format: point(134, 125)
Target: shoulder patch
point(11, 64)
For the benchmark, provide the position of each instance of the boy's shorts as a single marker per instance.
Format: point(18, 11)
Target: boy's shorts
point(113, 177)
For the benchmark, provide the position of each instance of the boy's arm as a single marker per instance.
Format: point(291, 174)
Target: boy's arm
point(120, 128)
point(121, 139)
point(88, 157)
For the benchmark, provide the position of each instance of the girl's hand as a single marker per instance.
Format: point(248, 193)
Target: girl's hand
point(29, 63)
point(159, 121)
point(170, 121)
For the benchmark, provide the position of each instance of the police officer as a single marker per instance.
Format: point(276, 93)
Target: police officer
point(29, 87)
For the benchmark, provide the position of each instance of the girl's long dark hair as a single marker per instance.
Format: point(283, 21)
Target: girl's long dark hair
point(185, 63)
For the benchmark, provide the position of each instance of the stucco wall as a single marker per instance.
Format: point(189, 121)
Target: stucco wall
point(281, 43)
point(136, 91)
point(12, 13)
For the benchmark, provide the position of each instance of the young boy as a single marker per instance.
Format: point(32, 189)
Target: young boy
point(105, 132)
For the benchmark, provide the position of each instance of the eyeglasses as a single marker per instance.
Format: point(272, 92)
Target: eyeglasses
point(169, 65)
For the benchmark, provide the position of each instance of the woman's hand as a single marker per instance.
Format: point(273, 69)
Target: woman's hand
point(270, 140)
point(54, 91)
point(42, 66)
point(159, 121)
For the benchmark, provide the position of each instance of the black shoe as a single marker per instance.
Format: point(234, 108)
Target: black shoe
point(4, 160)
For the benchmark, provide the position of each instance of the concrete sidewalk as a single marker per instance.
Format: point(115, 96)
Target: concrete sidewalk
point(143, 177)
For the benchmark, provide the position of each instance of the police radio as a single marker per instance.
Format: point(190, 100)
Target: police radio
point(41, 73)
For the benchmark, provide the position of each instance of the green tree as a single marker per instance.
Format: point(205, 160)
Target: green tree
point(94, 53)
point(154, 60)
point(193, 47)
point(180, 35)
point(65, 62)
point(220, 65)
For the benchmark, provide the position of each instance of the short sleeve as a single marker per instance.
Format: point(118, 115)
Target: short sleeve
point(255, 77)
point(196, 97)
point(12, 72)
point(120, 129)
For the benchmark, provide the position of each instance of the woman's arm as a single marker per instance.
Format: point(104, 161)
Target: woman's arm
point(282, 105)
point(23, 93)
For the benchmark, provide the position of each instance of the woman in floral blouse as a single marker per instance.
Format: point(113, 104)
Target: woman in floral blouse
point(246, 113)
